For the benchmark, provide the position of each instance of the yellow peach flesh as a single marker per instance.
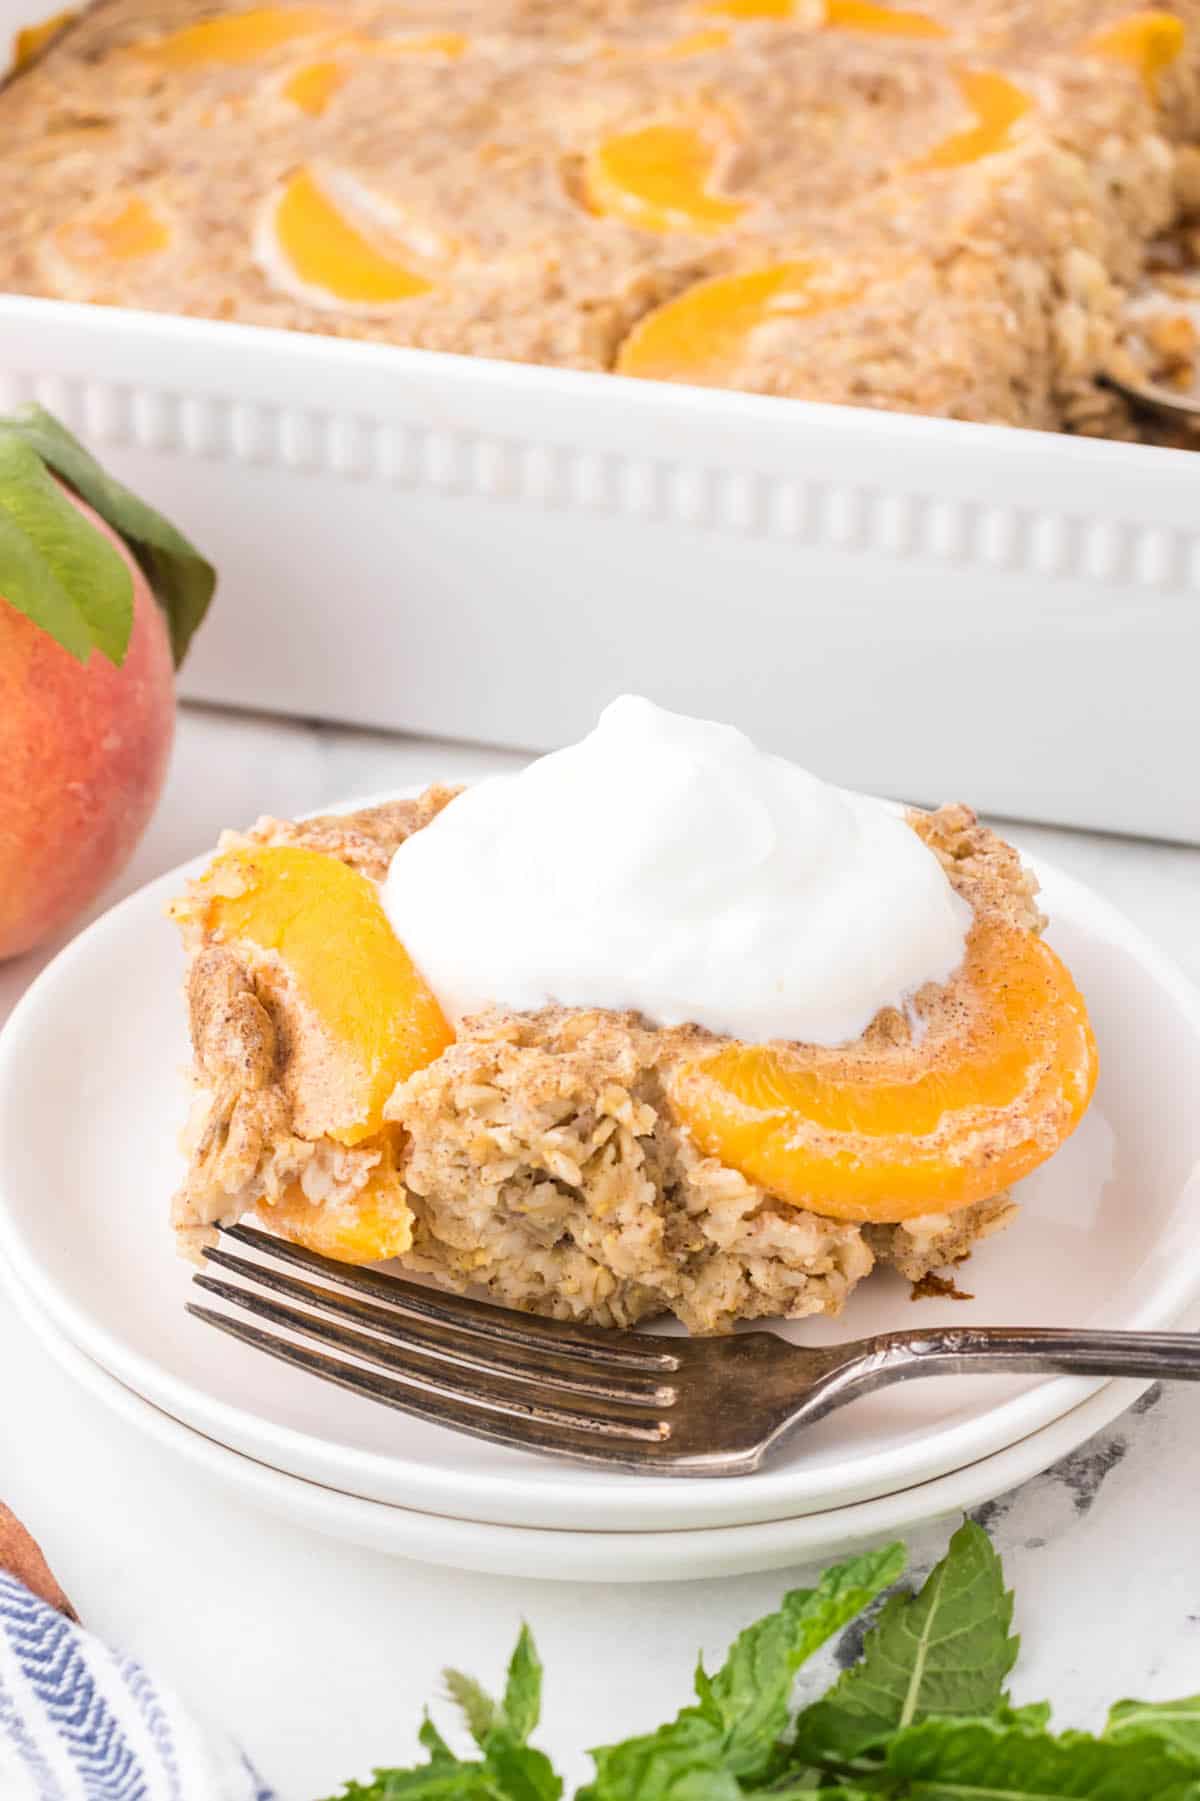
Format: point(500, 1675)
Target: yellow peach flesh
point(909, 1129)
point(324, 924)
point(325, 250)
point(997, 103)
point(659, 178)
point(701, 334)
point(1148, 41)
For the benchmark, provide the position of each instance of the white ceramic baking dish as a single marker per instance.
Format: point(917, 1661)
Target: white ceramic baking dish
point(487, 551)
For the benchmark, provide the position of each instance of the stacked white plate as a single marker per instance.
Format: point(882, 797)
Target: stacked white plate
point(91, 1096)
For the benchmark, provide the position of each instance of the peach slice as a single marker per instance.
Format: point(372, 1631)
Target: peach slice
point(889, 1132)
point(881, 21)
point(697, 43)
point(450, 44)
point(659, 178)
point(327, 253)
point(751, 9)
point(121, 231)
point(322, 925)
point(241, 37)
point(373, 1224)
point(840, 15)
point(693, 43)
point(701, 335)
point(997, 104)
point(1148, 41)
point(32, 39)
point(313, 86)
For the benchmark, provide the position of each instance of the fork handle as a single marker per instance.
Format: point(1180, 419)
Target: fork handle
point(1058, 1350)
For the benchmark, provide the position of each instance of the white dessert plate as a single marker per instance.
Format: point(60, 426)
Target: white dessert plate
point(581, 1556)
point(91, 1095)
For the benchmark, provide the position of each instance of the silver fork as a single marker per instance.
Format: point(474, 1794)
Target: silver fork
point(628, 1400)
point(1151, 397)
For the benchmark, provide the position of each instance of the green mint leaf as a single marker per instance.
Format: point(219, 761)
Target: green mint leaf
point(522, 1703)
point(181, 579)
point(433, 1782)
point(702, 1785)
point(750, 1692)
point(682, 1761)
point(54, 567)
point(1035, 1715)
point(429, 1736)
point(519, 1773)
point(710, 1707)
point(735, 1731)
point(976, 1760)
point(476, 1705)
point(946, 1650)
point(439, 1781)
point(1177, 1723)
point(837, 1793)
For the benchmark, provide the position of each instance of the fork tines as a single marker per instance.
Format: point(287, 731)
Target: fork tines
point(537, 1384)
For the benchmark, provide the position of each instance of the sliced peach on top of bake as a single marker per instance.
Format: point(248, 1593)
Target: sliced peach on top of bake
point(986, 1089)
point(324, 933)
point(704, 42)
point(447, 44)
point(355, 1018)
point(369, 1226)
point(751, 9)
point(997, 104)
point(120, 230)
point(840, 15)
point(328, 254)
point(313, 86)
point(31, 39)
point(1148, 41)
point(882, 21)
point(698, 43)
point(238, 37)
point(702, 334)
point(661, 178)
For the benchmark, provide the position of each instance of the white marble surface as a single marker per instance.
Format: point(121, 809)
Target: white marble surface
point(320, 1657)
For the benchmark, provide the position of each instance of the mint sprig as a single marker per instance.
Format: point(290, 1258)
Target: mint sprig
point(508, 1769)
point(1176, 1723)
point(733, 1736)
point(60, 572)
point(946, 1650)
point(749, 1694)
point(957, 1760)
point(921, 1716)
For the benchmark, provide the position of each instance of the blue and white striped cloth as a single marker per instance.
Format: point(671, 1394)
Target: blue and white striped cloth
point(80, 1723)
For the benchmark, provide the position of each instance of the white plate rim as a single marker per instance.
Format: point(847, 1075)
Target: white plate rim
point(770, 1495)
point(558, 1554)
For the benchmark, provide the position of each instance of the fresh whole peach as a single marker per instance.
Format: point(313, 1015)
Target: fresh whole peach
point(87, 682)
point(83, 755)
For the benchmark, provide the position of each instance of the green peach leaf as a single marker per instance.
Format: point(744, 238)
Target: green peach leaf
point(181, 579)
point(54, 566)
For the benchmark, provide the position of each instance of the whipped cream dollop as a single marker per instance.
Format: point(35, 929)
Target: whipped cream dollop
point(667, 865)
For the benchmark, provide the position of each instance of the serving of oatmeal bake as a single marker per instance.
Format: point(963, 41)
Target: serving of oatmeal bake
point(583, 1161)
point(936, 207)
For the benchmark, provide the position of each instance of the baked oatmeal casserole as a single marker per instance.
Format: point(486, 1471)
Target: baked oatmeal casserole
point(545, 1157)
point(938, 207)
